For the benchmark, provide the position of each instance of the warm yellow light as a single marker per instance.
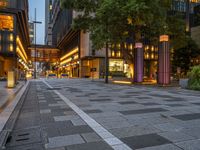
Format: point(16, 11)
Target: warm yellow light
point(3, 3)
point(69, 60)
point(11, 79)
point(69, 54)
point(21, 49)
point(6, 22)
point(11, 37)
point(131, 46)
point(164, 38)
point(11, 48)
point(122, 82)
point(21, 55)
point(113, 54)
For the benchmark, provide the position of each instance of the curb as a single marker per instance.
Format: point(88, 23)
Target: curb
point(12, 112)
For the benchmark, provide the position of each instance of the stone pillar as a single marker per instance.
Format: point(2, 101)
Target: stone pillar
point(138, 62)
point(164, 61)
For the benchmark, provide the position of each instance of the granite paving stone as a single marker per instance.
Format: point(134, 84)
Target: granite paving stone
point(142, 141)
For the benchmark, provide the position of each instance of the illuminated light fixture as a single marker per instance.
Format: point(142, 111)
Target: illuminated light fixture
point(122, 82)
point(11, 79)
point(20, 54)
point(21, 48)
point(164, 38)
point(69, 60)
point(69, 54)
point(131, 47)
point(138, 45)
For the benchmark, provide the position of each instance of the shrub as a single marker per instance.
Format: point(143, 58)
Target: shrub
point(194, 78)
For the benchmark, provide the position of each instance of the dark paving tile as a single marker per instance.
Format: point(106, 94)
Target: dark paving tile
point(127, 102)
point(186, 117)
point(149, 104)
point(175, 105)
point(142, 111)
point(35, 146)
point(90, 146)
point(162, 96)
point(196, 104)
point(100, 100)
point(142, 141)
point(93, 111)
point(175, 99)
point(125, 96)
point(53, 89)
point(143, 97)
point(103, 96)
point(75, 130)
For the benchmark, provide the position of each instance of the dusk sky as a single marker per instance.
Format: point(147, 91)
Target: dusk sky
point(40, 6)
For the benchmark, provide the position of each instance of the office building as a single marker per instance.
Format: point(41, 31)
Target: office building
point(14, 37)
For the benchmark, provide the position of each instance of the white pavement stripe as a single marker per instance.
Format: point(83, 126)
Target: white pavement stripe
point(4, 116)
point(109, 138)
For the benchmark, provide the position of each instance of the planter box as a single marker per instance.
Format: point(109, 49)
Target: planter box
point(183, 83)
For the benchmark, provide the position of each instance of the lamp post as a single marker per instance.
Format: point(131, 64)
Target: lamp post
point(164, 61)
point(187, 16)
point(35, 22)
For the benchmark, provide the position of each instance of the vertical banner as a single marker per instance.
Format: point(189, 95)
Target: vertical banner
point(164, 61)
point(138, 62)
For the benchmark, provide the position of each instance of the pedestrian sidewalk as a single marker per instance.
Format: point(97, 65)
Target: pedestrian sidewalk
point(5, 93)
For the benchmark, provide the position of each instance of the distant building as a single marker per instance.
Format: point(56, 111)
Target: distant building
point(31, 32)
point(48, 21)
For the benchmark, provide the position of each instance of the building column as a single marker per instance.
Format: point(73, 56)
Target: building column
point(164, 61)
point(138, 62)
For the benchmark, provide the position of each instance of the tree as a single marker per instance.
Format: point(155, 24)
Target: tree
point(182, 57)
point(113, 21)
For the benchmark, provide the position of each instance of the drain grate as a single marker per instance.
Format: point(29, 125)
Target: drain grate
point(24, 137)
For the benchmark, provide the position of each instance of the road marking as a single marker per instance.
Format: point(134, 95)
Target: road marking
point(109, 138)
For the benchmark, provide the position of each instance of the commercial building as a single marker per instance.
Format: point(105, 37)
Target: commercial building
point(48, 22)
point(14, 37)
point(77, 57)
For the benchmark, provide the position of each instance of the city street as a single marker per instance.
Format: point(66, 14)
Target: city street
point(78, 114)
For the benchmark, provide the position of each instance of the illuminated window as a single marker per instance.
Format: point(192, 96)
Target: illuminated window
point(50, 7)
point(3, 3)
point(113, 54)
point(11, 48)
point(11, 37)
point(6, 22)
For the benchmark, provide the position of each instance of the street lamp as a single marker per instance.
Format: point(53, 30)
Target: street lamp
point(187, 16)
point(35, 22)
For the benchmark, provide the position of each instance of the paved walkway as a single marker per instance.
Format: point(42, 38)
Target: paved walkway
point(5, 93)
point(77, 114)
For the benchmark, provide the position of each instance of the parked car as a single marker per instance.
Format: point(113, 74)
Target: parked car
point(52, 75)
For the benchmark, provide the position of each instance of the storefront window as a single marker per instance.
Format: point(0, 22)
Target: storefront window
point(116, 65)
point(6, 22)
